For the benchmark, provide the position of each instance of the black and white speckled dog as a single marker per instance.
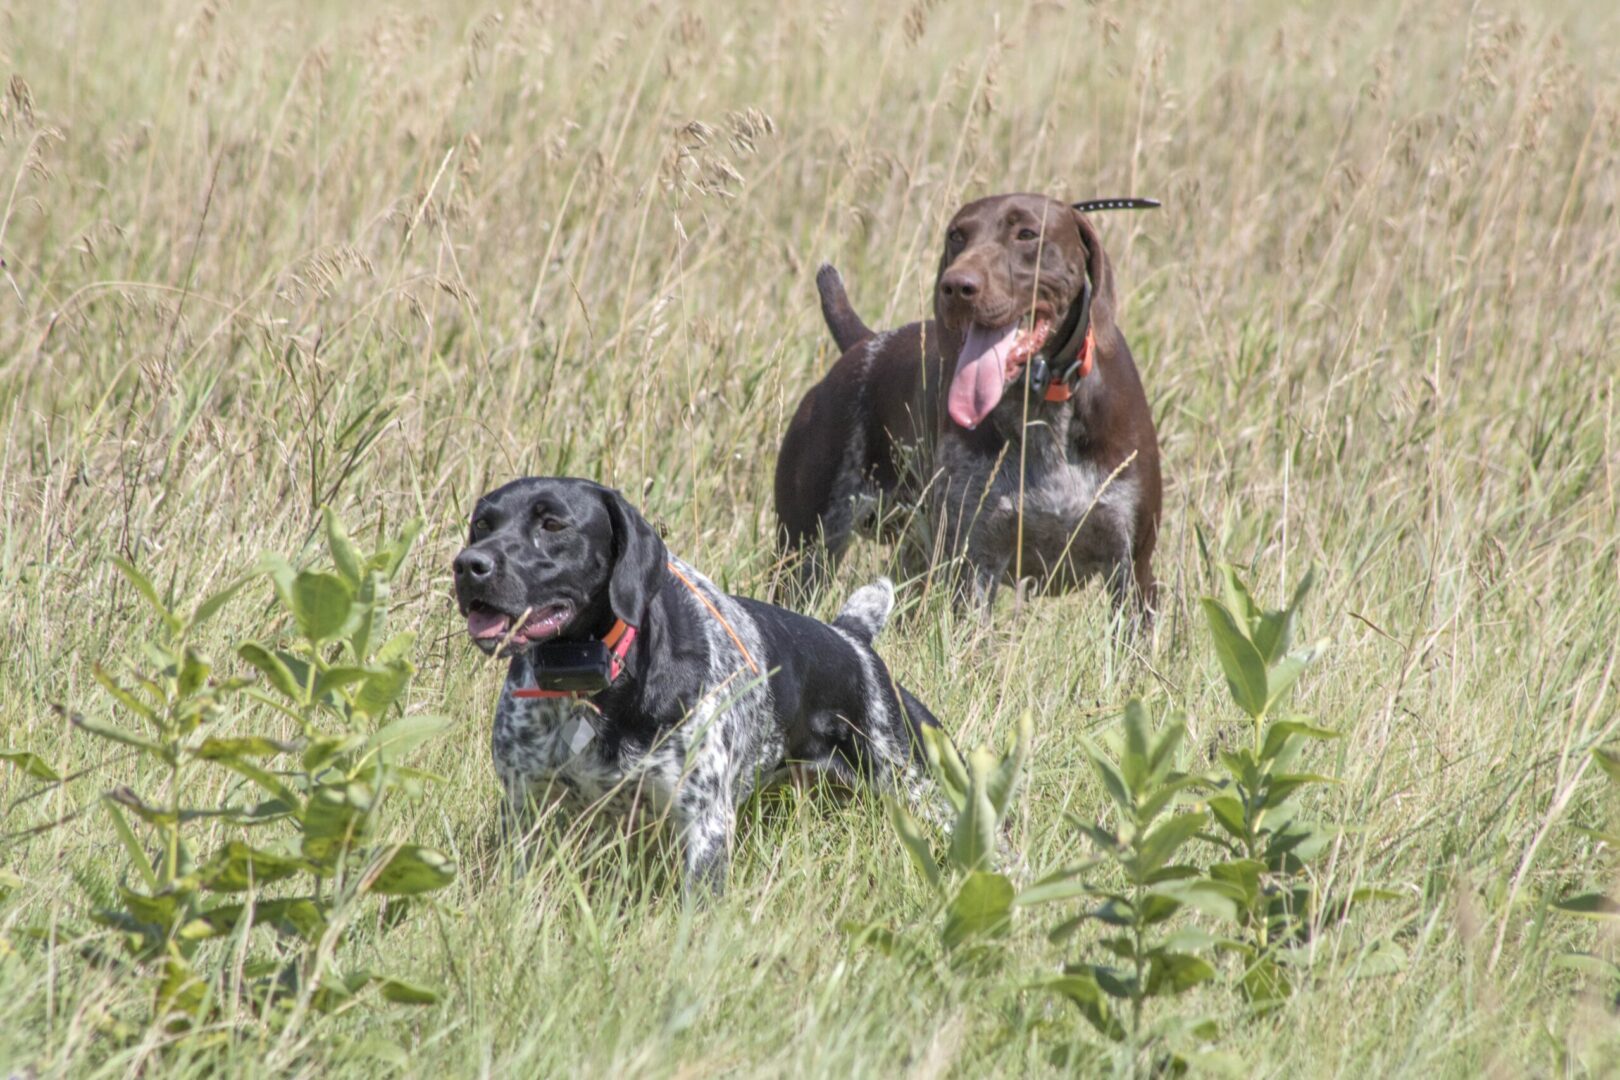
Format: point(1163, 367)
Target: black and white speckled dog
point(701, 696)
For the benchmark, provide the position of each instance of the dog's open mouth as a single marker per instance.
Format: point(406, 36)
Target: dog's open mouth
point(991, 358)
point(489, 627)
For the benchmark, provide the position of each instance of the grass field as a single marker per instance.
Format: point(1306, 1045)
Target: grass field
point(263, 257)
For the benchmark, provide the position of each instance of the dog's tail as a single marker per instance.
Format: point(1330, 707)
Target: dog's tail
point(866, 610)
point(847, 328)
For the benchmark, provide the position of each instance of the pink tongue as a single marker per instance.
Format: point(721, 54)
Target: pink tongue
point(487, 624)
point(981, 374)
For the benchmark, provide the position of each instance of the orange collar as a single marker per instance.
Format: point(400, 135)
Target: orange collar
point(1058, 389)
point(622, 635)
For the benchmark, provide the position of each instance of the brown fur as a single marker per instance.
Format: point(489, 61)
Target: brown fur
point(876, 425)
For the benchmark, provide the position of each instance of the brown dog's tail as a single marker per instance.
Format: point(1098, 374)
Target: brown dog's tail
point(846, 326)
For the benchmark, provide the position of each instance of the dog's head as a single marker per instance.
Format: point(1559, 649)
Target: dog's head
point(1011, 267)
point(555, 557)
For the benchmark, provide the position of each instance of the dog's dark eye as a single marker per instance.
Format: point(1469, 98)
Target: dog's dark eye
point(1028, 234)
point(481, 525)
point(956, 238)
point(552, 524)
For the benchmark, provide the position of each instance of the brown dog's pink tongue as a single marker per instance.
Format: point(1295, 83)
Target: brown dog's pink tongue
point(487, 624)
point(981, 374)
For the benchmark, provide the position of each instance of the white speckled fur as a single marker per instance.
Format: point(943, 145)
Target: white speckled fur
point(704, 768)
point(1076, 521)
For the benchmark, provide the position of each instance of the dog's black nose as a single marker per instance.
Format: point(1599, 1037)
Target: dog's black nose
point(474, 564)
point(963, 282)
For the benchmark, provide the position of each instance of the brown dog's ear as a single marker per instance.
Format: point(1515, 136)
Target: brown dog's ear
point(1100, 270)
point(639, 559)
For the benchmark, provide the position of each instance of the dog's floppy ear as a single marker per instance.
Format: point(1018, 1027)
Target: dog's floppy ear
point(1101, 272)
point(639, 559)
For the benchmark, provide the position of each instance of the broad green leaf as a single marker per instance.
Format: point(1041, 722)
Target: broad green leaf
point(917, 845)
point(1216, 898)
point(1113, 783)
point(1243, 875)
point(266, 780)
point(281, 575)
point(1170, 739)
point(1274, 630)
point(394, 740)
point(1157, 905)
point(1242, 767)
point(216, 749)
point(1245, 670)
point(132, 846)
point(1118, 911)
point(320, 603)
point(238, 867)
point(1191, 939)
point(1083, 991)
point(407, 993)
point(1003, 779)
point(212, 605)
point(1301, 591)
point(180, 989)
point(126, 698)
point(194, 671)
point(1381, 958)
point(1176, 973)
point(144, 586)
point(370, 616)
point(383, 686)
point(343, 552)
point(973, 839)
point(118, 735)
point(335, 678)
point(1587, 964)
point(395, 648)
point(295, 916)
point(982, 907)
point(161, 910)
point(1239, 601)
point(1228, 813)
point(272, 667)
point(1278, 734)
point(1281, 676)
point(323, 748)
point(1161, 844)
point(413, 869)
point(946, 764)
point(337, 990)
point(1265, 983)
point(334, 819)
point(152, 815)
point(1113, 981)
point(1133, 756)
point(1589, 906)
point(31, 764)
point(1166, 793)
point(389, 557)
point(1051, 891)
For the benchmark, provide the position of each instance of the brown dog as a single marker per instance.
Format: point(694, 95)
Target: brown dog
point(1015, 416)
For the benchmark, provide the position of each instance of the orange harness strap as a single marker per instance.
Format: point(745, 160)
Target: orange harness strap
point(721, 619)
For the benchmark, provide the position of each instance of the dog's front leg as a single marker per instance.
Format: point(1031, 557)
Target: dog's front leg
point(704, 806)
point(707, 827)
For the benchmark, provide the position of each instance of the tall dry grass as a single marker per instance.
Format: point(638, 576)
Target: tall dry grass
point(264, 257)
